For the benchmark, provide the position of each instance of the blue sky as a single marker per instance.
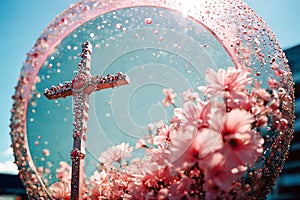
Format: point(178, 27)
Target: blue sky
point(21, 23)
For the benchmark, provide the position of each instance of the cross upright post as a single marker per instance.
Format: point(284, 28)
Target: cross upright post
point(82, 85)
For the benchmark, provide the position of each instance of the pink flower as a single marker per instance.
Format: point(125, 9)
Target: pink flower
point(163, 194)
point(262, 94)
point(141, 143)
point(242, 149)
point(163, 134)
point(98, 182)
point(98, 178)
point(242, 146)
point(150, 127)
point(115, 154)
point(258, 99)
point(183, 154)
point(226, 83)
point(59, 190)
point(180, 188)
point(108, 185)
point(273, 84)
point(149, 167)
point(64, 172)
point(207, 141)
point(262, 121)
point(137, 190)
point(159, 155)
point(190, 95)
point(169, 99)
point(189, 147)
point(192, 116)
point(216, 174)
point(239, 100)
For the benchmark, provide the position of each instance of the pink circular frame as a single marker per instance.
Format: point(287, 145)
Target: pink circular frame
point(225, 19)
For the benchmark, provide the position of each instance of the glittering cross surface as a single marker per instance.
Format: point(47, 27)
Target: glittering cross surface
point(82, 85)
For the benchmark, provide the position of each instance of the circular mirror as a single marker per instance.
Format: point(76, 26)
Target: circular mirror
point(207, 79)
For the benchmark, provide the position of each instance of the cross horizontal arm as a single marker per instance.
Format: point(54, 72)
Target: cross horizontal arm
point(59, 91)
point(98, 82)
point(111, 81)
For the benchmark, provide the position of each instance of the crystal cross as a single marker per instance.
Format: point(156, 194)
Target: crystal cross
point(82, 85)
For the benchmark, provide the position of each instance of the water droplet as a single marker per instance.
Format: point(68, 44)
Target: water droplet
point(63, 21)
point(86, 8)
point(148, 20)
point(47, 170)
point(283, 123)
point(46, 152)
point(236, 100)
point(92, 35)
point(118, 25)
point(107, 115)
point(49, 164)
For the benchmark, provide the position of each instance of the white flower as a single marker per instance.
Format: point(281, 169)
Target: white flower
point(115, 154)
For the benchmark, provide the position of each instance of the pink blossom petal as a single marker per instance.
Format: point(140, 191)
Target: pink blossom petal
point(169, 97)
point(58, 190)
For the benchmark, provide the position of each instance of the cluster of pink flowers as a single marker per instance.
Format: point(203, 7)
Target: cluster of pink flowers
point(62, 189)
point(204, 149)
